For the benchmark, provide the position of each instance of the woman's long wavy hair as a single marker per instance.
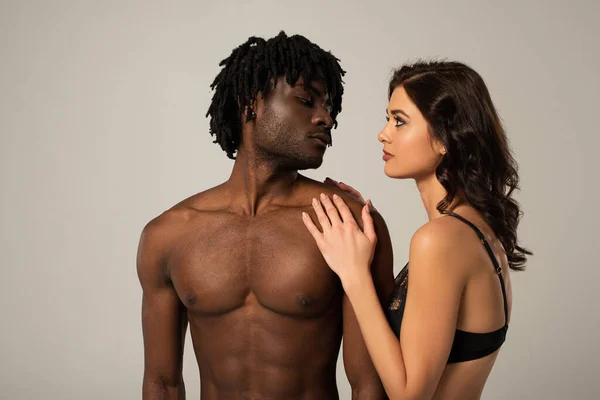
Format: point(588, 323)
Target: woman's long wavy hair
point(456, 103)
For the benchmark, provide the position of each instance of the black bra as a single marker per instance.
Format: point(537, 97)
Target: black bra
point(466, 345)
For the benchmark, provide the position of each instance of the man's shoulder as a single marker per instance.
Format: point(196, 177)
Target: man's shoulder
point(316, 188)
point(176, 220)
point(354, 204)
point(164, 229)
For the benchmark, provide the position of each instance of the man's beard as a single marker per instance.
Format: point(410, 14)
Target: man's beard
point(276, 147)
point(288, 157)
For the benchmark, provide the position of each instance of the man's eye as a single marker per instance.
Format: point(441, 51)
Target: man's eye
point(308, 102)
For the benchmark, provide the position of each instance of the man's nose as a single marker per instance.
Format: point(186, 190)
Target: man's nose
point(323, 118)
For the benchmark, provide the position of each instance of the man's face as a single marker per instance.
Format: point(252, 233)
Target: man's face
point(293, 124)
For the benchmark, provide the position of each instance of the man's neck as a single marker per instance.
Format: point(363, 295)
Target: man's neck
point(256, 182)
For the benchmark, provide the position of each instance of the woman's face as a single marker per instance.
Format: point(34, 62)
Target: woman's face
point(409, 149)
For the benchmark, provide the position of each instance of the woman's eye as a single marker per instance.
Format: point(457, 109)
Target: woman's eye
point(399, 121)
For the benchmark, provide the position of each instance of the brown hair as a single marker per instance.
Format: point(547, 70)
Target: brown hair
point(456, 103)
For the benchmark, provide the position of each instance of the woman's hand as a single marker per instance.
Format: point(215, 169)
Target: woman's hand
point(350, 190)
point(346, 248)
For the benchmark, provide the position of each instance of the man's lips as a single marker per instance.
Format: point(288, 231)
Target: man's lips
point(326, 139)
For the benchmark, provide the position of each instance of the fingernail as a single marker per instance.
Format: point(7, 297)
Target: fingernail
point(335, 197)
point(323, 196)
point(315, 201)
point(304, 215)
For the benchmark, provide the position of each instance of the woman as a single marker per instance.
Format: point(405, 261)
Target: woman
point(448, 317)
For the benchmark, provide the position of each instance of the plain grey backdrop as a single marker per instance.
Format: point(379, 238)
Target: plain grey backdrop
point(102, 128)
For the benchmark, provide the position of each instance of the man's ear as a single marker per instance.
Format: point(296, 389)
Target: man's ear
point(249, 113)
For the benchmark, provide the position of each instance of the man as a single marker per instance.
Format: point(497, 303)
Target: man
point(266, 314)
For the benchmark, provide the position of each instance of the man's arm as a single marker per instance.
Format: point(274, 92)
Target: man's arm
point(361, 373)
point(164, 318)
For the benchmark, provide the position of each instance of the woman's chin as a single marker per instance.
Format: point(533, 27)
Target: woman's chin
point(391, 172)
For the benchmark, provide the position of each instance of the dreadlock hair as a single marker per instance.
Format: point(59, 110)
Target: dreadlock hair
point(253, 68)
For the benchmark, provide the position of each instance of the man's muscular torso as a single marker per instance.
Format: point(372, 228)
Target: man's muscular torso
point(264, 309)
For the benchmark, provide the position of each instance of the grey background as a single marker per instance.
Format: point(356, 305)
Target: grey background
point(102, 127)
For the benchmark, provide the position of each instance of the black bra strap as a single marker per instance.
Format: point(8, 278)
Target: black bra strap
point(490, 253)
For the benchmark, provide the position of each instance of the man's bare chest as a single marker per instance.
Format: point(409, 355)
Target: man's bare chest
point(217, 267)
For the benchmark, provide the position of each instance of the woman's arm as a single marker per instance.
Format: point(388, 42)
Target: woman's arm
point(412, 367)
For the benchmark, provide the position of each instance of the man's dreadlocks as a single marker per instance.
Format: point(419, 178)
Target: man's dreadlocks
point(253, 67)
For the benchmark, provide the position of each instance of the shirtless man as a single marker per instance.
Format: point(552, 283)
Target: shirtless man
point(266, 314)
